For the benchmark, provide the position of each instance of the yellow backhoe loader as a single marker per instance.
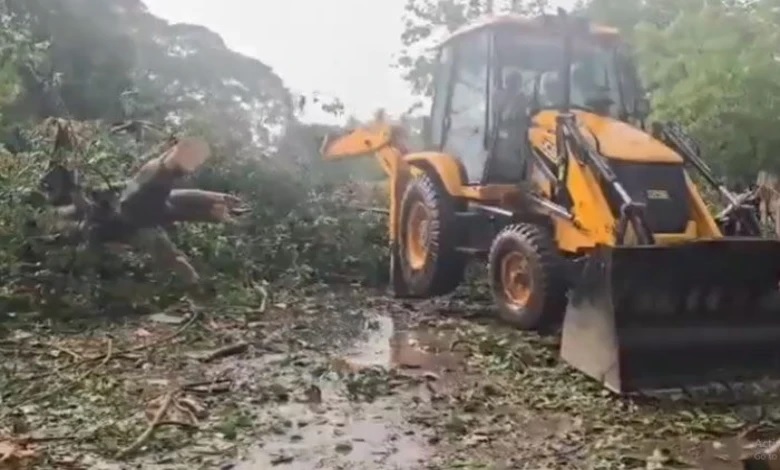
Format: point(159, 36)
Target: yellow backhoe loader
point(540, 160)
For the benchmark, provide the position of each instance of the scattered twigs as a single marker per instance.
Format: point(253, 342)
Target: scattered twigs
point(209, 387)
point(109, 350)
point(174, 409)
point(19, 347)
point(80, 378)
point(225, 351)
point(195, 314)
point(76, 356)
point(104, 359)
point(155, 422)
point(373, 210)
point(264, 294)
point(42, 439)
point(178, 424)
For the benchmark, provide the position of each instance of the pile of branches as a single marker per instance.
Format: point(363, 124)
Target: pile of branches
point(138, 212)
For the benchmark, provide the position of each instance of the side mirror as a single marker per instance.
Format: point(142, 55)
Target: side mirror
point(642, 108)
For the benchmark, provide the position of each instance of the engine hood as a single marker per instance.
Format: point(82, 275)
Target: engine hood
point(614, 139)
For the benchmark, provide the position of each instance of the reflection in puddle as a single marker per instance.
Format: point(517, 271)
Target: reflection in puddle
point(334, 432)
point(375, 350)
point(424, 349)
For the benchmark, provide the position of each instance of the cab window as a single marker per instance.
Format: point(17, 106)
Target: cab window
point(466, 122)
point(539, 59)
point(442, 78)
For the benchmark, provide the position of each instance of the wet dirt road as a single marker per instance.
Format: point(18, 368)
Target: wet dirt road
point(321, 380)
point(398, 394)
point(355, 380)
point(357, 412)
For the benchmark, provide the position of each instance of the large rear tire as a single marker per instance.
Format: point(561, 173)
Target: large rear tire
point(429, 262)
point(527, 277)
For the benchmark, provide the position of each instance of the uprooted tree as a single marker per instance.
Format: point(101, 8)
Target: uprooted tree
point(138, 212)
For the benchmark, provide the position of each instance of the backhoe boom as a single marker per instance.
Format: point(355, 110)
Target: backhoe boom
point(381, 140)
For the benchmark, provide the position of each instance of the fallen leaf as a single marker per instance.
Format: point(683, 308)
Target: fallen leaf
point(16, 454)
point(281, 459)
point(142, 333)
point(183, 410)
point(19, 335)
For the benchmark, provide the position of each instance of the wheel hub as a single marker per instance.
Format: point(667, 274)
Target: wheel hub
point(418, 236)
point(516, 279)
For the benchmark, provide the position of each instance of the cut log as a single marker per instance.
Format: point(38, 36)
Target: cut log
point(143, 202)
point(197, 205)
point(147, 203)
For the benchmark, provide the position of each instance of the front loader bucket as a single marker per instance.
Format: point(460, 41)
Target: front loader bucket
point(652, 318)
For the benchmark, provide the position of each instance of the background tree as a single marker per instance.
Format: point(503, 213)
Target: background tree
point(101, 53)
point(712, 67)
point(426, 22)
point(123, 80)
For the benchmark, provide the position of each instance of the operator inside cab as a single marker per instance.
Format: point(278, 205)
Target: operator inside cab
point(529, 80)
point(594, 72)
point(584, 89)
point(587, 89)
point(513, 105)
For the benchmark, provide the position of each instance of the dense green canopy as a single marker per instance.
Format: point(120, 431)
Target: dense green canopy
point(90, 59)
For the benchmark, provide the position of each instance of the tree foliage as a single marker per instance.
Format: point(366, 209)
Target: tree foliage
point(426, 22)
point(114, 60)
point(710, 66)
point(102, 65)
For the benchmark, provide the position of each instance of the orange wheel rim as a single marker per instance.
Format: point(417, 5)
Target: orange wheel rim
point(516, 279)
point(417, 236)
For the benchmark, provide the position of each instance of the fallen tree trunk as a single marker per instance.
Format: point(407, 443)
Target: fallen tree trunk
point(137, 215)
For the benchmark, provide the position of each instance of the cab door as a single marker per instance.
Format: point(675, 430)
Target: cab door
point(465, 125)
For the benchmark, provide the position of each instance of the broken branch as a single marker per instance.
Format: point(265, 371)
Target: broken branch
point(229, 350)
point(166, 403)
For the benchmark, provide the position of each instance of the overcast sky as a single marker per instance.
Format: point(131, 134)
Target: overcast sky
point(344, 48)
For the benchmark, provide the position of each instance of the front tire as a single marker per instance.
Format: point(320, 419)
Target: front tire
point(429, 262)
point(527, 277)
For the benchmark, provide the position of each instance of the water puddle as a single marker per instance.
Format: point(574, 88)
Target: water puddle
point(414, 350)
point(336, 431)
point(340, 435)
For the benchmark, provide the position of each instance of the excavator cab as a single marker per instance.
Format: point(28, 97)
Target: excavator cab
point(490, 81)
point(539, 162)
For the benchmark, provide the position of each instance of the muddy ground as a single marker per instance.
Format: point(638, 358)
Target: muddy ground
point(324, 379)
